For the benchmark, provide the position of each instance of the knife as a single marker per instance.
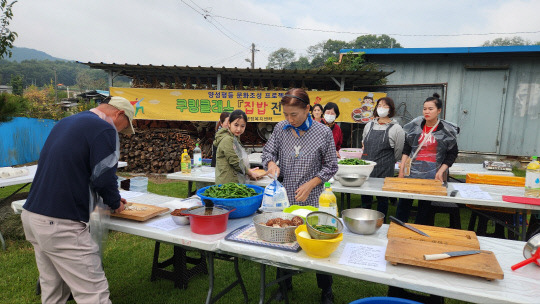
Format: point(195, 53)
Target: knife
point(397, 221)
point(445, 255)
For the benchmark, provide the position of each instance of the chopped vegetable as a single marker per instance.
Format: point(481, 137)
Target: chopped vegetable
point(230, 190)
point(326, 228)
point(353, 161)
point(304, 234)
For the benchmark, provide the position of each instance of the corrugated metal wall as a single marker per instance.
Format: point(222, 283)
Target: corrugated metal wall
point(21, 140)
point(519, 122)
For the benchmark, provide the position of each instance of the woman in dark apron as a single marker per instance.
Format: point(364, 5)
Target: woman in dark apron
point(430, 149)
point(383, 140)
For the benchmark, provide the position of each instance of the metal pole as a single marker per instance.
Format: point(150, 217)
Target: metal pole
point(253, 56)
point(55, 85)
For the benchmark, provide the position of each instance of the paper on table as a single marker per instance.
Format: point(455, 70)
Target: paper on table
point(472, 191)
point(130, 194)
point(166, 224)
point(364, 256)
point(185, 203)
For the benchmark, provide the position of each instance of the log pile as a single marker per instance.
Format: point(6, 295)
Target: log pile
point(157, 145)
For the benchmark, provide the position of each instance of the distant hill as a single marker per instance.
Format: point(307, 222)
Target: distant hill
point(22, 53)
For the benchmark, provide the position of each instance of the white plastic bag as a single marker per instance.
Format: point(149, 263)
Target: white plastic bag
point(275, 197)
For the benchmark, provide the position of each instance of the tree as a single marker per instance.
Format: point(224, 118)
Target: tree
point(508, 41)
point(17, 85)
point(280, 58)
point(301, 64)
point(375, 42)
point(7, 37)
point(10, 106)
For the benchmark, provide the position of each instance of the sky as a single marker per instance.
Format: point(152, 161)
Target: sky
point(202, 32)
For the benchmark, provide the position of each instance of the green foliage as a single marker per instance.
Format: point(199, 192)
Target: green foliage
point(320, 53)
point(509, 41)
point(17, 84)
point(7, 37)
point(280, 58)
point(10, 106)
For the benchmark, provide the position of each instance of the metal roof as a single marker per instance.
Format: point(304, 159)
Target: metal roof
point(449, 50)
point(313, 79)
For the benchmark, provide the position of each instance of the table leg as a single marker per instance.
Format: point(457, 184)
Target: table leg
point(210, 257)
point(348, 201)
point(3, 242)
point(12, 194)
point(342, 201)
point(190, 192)
point(524, 225)
point(262, 284)
point(210, 261)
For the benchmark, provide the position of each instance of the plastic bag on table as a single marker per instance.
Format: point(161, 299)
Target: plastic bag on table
point(244, 161)
point(275, 197)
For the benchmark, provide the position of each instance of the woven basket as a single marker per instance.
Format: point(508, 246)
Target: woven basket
point(274, 234)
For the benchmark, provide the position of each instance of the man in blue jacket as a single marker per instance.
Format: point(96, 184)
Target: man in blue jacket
point(76, 171)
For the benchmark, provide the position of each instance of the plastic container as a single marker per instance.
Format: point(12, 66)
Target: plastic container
point(532, 179)
point(317, 248)
point(328, 201)
point(197, 157)
point(274, 234)
point(185, 162)
point(350, 153)
point(139, 184)
point(244, 206)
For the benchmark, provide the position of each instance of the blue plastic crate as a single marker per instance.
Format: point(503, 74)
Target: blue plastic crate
point(244, 206)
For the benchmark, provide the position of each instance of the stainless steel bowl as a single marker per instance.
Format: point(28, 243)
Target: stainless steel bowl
point(351, 180)
point(180, 219)
point(362, 221)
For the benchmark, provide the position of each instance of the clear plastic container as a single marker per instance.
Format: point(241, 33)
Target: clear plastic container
point(532, 179)
point(185, 162)
point(139, 184)
point(197, 158)
point(328, 201)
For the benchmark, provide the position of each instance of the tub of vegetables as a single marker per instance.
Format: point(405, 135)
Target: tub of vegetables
point(353, 172)
point(245, 198)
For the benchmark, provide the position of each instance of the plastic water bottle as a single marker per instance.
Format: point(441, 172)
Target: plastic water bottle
point(532, 178)
point(197, 158)
point(185, 162)
point(328, 201)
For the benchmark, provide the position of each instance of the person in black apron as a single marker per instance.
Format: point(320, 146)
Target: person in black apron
point(430, 149)
point(383, 141)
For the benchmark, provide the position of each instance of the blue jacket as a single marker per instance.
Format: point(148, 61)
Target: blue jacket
point(78, 161)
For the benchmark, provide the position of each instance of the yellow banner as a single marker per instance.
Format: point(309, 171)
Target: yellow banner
point(260, 106)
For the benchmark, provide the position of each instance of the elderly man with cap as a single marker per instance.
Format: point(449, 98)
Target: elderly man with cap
point(76, 171)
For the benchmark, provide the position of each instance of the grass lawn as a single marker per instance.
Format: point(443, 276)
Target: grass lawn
point(128, 260)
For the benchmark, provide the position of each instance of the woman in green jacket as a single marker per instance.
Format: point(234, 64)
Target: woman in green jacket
point(232, 163)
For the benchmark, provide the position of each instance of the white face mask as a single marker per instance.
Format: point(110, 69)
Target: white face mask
point(383, 112)
point(329, 118)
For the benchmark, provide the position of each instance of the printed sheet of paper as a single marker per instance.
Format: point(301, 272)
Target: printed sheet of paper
point(166, 224)
point(472, 191)
point(364, 256)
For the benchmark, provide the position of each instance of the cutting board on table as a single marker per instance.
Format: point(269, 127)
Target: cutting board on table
point(408, 247)
point(140, 212)
point(437, 235)
point(414, 185)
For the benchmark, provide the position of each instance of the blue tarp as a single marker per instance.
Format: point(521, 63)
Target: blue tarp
point(21, 140)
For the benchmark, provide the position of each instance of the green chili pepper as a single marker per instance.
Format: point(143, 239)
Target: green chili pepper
point(326, 228)
point(230, 190)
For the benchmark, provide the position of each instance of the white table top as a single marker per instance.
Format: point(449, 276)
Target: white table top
point(521, 286)
point(373, 186)
point(20, 179)
point(456, 169)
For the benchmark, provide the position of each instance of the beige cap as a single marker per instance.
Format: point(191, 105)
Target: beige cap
point(123, 104)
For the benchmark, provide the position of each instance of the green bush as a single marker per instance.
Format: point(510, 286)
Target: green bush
point(11, 106)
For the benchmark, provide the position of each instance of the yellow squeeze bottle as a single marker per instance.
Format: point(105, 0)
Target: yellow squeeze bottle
point(328, 201)
point(185, 162)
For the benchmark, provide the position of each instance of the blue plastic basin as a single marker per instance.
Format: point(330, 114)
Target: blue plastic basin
point(244, 206)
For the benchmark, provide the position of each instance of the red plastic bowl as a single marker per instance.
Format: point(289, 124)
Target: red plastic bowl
point(208, 224)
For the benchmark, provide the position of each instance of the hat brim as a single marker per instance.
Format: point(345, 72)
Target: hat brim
point(129, 129)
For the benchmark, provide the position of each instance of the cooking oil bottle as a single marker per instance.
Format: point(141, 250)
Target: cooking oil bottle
point(328, 201)
point(186, 162)
point(532, 178)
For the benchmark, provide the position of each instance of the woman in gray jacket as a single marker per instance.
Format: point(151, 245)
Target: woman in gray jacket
point(382, 142)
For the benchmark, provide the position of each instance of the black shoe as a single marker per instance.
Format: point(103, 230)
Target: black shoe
point(327, 297)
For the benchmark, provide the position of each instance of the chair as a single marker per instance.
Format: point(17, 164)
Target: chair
point(503, 218)
point(384, 300)
point(449, 208)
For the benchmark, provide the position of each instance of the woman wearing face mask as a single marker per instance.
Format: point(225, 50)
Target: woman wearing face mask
point(430, 149)
point(383, 140)
point(316, 112)
point(305, 151)
point(330, 114)
point(222, 123)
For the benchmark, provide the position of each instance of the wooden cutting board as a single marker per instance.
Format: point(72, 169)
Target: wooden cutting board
point(411, 252)
point(140, 212)
point(414, 185)
point(437, 235)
